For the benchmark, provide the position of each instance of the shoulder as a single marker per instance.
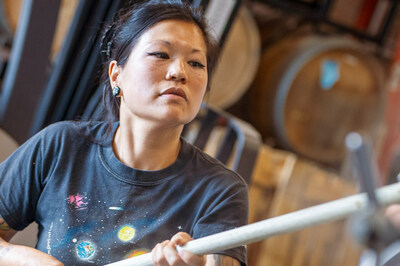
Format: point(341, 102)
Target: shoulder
point(59, 128)
point(75, 131)
point(210, 168)
point(65, 135)
point(73, 127)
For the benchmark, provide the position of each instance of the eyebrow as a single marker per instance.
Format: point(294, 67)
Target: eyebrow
point(194, 50)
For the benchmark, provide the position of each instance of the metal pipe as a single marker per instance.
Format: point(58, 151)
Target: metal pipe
point(294, 221)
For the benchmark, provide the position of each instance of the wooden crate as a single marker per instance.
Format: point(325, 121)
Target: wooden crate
point(284, 183)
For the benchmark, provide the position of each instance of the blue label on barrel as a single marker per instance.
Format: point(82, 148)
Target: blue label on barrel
point(329, 74)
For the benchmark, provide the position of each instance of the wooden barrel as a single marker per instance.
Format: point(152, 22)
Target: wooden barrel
point(238, 62)
point(10, 10)
point(311, 91)
point(282, 183)
point(9, 14)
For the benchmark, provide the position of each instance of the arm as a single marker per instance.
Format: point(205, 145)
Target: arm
point(20, 255)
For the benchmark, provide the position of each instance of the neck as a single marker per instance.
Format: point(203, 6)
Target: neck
point(146, 148)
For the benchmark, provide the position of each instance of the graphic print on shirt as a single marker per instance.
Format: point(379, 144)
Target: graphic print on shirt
point(98, 231)
point(85, 250)
point(126, 233)
point(78, 201)
point(91, 238)
point(137, 252)
point(49, 239)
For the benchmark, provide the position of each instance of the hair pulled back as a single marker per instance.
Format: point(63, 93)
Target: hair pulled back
point(128, 26)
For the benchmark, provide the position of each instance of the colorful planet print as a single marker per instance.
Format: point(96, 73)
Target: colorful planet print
point(126, 233)
point(137, 253)
point(85, 250)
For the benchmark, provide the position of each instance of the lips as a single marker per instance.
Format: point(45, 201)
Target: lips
point(175, 91)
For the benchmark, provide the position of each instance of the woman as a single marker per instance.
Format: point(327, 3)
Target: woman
point(102, 192)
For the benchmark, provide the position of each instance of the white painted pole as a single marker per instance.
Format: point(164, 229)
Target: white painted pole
point(294, 221)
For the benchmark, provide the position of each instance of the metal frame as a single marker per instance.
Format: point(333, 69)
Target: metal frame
point(72, 81)
point(228, 23)
point(26, 72)
point(317, 11)
point(241, 141)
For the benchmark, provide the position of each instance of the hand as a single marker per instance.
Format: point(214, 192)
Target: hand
point(393, 214)
point(165, 253)
point(16, 255)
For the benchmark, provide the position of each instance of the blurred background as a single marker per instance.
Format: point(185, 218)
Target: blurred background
point(301, 74)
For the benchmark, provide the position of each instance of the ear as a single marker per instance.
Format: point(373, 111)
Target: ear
point(113, 72)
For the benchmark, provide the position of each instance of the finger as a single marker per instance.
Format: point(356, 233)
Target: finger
point(181, 238)
point(172, 256)
point(157, 254)
point(190, 258)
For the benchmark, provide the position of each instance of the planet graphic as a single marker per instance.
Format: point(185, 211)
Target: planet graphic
point(126, 233)
point(137, 253)
point(85, 250)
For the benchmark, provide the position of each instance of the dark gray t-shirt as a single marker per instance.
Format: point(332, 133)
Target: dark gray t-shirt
point(92, 209)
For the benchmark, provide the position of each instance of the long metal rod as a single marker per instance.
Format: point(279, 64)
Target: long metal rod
point(364, 165)
point(294, 221)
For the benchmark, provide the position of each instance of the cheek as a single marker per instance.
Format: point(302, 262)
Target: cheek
point(139, 78)
point(200, 81)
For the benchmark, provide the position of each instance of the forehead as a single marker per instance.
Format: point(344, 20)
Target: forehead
point(175, 31)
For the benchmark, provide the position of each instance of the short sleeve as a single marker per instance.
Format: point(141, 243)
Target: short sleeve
point(20, 184)
point(229, 211)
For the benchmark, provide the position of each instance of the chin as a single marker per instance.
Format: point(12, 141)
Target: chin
point(182, 116)
point(174, 119)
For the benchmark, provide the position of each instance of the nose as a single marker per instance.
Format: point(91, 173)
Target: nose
point(177, 71)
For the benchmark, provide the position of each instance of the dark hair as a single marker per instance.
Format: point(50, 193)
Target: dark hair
point(128, 26)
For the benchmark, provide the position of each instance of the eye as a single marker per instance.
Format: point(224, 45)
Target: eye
point(196, 64)
point(161, 55)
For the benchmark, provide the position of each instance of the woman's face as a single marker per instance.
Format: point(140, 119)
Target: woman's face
point(165, 77)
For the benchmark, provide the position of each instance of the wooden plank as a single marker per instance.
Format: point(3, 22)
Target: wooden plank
point(292, 184)
point(266, 175)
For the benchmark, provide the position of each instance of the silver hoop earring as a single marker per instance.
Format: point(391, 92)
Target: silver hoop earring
point(115, 91)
